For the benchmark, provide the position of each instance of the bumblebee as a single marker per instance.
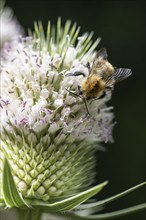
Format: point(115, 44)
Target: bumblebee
point(102, 77)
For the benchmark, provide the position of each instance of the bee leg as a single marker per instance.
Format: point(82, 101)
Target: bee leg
point(109, 88)
point(79, 74)
point(76, 74)
point(72, 93)
point(102, 96)
point(84, 99)
point(80, 96)
point(104, 93)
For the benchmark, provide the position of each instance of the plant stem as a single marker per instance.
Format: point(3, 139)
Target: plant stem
point(29, 214)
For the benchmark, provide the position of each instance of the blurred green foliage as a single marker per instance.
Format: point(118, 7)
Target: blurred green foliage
point(121, 25)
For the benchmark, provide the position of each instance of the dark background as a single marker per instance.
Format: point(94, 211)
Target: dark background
point(121, 25)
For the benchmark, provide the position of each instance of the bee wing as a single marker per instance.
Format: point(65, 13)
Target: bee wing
point(101, 55)
point(121, 74)
point(110, 82)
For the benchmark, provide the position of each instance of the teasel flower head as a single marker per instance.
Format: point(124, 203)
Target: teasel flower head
point(10, 29)
point(48, 141)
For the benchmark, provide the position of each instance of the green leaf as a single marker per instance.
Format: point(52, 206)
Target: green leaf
point(72, 202)
point(101, 204)
point(10, 193)
point(109, 215)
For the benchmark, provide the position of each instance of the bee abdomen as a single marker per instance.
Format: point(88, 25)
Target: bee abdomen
point(93, 86)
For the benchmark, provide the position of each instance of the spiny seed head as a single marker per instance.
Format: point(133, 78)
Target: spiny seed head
point(46, 135)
